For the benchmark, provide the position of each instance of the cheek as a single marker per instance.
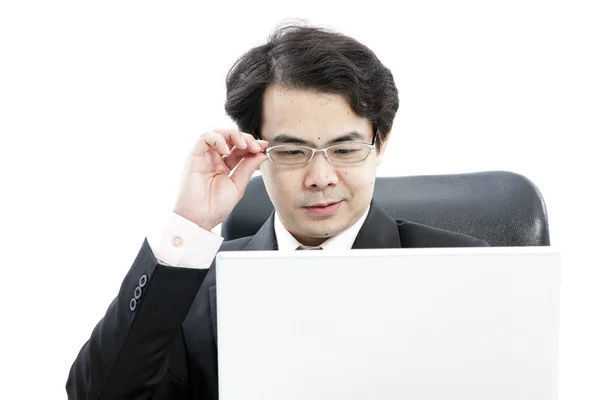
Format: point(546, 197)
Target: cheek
point(282, 184)
point(359, 179)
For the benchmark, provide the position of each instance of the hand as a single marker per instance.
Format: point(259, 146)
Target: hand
point(209, 191)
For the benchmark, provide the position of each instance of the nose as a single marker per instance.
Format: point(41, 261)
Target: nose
point(320, 173)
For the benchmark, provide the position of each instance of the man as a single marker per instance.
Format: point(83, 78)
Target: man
point(315, 111)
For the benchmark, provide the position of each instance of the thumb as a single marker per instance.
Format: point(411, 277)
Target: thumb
point(242, 174)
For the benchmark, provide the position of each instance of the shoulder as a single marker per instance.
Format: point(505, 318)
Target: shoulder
point(235, 244)
point(413, 234)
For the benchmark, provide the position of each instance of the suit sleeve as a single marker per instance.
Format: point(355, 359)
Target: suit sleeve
point(136, 351)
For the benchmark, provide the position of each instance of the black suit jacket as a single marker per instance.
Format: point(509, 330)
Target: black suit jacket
point(158, 337)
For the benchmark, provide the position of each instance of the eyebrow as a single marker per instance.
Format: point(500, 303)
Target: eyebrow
point(284, 138)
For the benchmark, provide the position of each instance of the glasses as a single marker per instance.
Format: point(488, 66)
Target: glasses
point(343, 153)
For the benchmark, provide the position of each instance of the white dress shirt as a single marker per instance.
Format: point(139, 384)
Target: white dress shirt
point(181, 243)
point(342, 241)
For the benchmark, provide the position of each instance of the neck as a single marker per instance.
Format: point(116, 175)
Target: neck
point(308, 241)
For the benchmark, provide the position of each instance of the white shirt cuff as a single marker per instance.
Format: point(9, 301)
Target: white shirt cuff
point(181, 243)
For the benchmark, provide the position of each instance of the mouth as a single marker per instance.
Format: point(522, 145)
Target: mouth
point(324, 209)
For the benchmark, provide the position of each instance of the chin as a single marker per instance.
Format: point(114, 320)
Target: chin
point(324, 231)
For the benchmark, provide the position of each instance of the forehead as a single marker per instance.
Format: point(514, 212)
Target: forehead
point(309, 114)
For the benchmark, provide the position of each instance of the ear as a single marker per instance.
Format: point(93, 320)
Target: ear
point(384, 144)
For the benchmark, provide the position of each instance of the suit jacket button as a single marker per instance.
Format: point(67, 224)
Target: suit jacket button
point(132, 304)
point(137, 293)
point(143, 280)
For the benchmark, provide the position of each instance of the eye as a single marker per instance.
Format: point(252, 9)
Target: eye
point(344, 151)
point(289, 152)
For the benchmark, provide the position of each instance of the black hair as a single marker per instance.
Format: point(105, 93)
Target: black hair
point(307, 57)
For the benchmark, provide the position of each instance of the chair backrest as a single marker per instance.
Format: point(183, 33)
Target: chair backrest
point(502, 208)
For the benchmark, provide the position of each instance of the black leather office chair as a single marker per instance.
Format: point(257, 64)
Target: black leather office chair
point(502, 208)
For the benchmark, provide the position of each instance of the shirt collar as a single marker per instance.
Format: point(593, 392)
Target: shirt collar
point(342, 241)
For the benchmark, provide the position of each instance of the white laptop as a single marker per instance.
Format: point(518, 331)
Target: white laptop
point(469, 323)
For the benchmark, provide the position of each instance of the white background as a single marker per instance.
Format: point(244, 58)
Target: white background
point(100, 103)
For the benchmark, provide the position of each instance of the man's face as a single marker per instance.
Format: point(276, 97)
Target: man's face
point(316, 120)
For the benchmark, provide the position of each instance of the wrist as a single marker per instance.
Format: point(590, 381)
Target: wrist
point(202, 222)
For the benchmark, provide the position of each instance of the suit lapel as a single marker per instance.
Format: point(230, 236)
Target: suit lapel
point(379, 231)
point(265, 238)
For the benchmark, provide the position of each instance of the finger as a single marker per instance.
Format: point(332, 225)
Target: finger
point(234, 137)
point(262, 145)
point(254, 145)
point(242, 174)
point(249, 141)
point(237, 155)
point(216, 142)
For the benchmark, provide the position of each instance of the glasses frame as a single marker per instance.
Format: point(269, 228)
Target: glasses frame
point(324, 151)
